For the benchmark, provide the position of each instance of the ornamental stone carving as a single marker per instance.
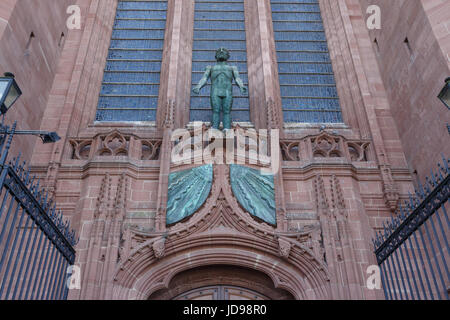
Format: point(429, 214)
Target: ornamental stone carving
point(284, 247)
point(115, 144)
point(326, 146)
point(159, 248)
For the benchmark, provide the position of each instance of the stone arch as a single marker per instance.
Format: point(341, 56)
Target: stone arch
point(143, 274)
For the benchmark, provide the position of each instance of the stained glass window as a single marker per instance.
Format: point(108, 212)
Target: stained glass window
point(308, 87)
point(218, 24)
point(131, 78)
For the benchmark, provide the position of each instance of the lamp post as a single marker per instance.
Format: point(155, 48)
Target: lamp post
point(9, 93)
point(444, 96)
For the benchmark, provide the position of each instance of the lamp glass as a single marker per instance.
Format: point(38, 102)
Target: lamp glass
point(3, 87)
point(445, 95)
point(13, 94)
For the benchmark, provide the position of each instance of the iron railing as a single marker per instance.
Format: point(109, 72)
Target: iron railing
point(36, 245)
point(412, 250)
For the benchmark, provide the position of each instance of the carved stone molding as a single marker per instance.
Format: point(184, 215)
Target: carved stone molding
point(115, 144)
point(273, 119)
point(337, 198)
point(284, 247)
point(159, 247)
point(390, 189)
point(169, 116)
point(325, 145)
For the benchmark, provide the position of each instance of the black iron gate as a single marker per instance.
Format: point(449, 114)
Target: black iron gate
point(413, 251)
point(36, 245)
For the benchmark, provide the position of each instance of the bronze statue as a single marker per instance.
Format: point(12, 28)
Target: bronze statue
point(221, 76)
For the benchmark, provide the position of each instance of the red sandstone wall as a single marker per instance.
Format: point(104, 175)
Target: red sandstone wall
point(80, 183)
point(414, 76)
point(35, 66)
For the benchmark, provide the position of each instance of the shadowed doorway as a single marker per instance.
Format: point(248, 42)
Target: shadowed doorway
point(221, 283)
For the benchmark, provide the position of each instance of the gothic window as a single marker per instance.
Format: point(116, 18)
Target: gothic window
point(218, 24)
point(132, 74)
point(308, 88)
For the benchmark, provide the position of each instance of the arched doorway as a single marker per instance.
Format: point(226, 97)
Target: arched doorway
point(221, 283)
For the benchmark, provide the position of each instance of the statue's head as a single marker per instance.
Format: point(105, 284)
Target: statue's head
point(222, 54)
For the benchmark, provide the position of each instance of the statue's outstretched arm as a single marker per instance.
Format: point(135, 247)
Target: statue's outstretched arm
point(203, 81)
point(239, 81)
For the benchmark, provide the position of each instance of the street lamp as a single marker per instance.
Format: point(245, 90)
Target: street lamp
point(46, 137)
point(445, 93)
point(444, 96)
point(9, 92)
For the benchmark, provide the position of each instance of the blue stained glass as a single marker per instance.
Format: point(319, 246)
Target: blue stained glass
point(127, 102)
point(140, 24)
point(219, 6)
point(130, 77)
point(142, 5)
point(296, 16)
point(298, 26)
point(212, 25)
point(209, 44)
point(301, 46)
point(308, 88)
point(135, 54)
point(219, 34)
point(132, 73)
point(138, 34)
point(309, 91)
point(296, 56)
point(137, 44)
point(141, 14)
point(218, 24)
point(199, 55)
point(295, 6)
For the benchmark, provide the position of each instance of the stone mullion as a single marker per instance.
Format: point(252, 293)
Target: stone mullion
point(255, 90)
point(277, 107)
point(171, 57)
point(177, 62)
point(184, 79)
point(266, 37)
point(165, 65)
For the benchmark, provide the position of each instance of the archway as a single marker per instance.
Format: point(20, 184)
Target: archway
point(148, 269)
point(221, 282)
